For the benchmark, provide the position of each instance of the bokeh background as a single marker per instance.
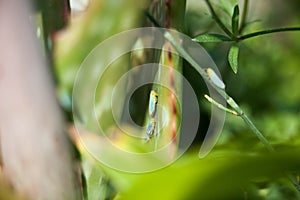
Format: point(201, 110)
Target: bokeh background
point(266, 87)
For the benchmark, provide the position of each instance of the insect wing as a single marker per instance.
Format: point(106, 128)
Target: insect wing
point(215, 78)
point(151, 128)
point(152, 103)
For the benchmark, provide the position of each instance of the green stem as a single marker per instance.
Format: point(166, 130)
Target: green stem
point(244, 16)
point(257, 132)
point(229, 100)
point(222, 92)
point(246, 119)
point(220, 106)
point(276, 30)
point(218, 20)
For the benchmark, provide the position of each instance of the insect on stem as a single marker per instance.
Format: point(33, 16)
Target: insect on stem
point(153, 99)
point(214, 78)
point(151, 128)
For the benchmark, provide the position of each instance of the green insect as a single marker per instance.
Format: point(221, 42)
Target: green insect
point(151, 128)
point(214, 78)
point(153, 99)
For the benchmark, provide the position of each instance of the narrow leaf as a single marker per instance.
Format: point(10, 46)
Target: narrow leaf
point(211, 37)
point(235, 20)
point(233, 57)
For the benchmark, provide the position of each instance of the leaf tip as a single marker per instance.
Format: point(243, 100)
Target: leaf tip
point(233, 57)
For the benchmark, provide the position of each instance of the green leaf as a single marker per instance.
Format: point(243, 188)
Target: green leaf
point(213, 177)
point(96, 184)
point(235, 20)
point(211, 37)
point(233, 56)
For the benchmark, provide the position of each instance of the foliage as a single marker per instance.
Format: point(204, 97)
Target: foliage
point(266, 84)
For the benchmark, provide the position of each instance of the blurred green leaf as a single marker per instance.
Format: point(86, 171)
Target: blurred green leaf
point(97, 183)
point(94, 176)
point(235, 20)
point(233, 56)
point(222, 173)
point(277, 191)
point(211, 37)
point(101, 20)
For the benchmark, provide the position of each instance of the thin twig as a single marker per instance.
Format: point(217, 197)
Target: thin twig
point(222, 92)
point(246, 119)
point(275, 30)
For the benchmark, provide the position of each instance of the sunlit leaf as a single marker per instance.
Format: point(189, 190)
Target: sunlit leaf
point(211, 37)
point(214, 176)
point(233, 57)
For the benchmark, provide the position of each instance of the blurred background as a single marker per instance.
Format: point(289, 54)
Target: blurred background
point(266, 87)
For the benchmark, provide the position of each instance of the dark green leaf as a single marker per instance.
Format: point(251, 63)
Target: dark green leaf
point(233, 56)
point(211, 37)
point(235, 20)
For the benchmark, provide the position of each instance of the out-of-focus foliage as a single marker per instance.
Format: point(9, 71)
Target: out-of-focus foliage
point(86, 30)
point(267, 82)
point(266, 86)
point(225, 174)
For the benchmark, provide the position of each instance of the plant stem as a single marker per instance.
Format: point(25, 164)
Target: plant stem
point(243, 20)
point(218, 20)
point(222, 92)
point(246, 119)
point(275, 30)
point(244, 16)
point(220, 106)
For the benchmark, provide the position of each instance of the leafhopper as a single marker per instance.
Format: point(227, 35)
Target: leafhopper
point(215, 78)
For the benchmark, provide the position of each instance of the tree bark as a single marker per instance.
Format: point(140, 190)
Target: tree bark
point(36, 152)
